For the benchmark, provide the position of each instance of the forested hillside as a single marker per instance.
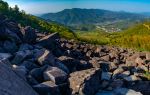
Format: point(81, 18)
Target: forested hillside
point(37, 23)
point(77, 16)
point(136, 37)
point(85, 19)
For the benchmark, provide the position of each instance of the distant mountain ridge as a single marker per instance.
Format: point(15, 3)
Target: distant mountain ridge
point(77, 16)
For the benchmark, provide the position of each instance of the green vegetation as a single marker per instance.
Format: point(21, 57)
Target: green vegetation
point(136, 37)
point(37, 23)
point(147, 75)
point(94, 37)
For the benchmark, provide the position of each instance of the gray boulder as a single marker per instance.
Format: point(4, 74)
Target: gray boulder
point(11, 84)
point(47, 88)
point(37, 73)
point(5, 55)
point(29, 35)
point(49, 41)
point(21, 55)
point(10, 47)
point(86, 82)
point(125, 91)
point(55, 74)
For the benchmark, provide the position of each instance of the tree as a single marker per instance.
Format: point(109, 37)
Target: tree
point(16, 8)
point(3, 7)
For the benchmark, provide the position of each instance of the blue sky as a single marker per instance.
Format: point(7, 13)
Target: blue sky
point(45, 6)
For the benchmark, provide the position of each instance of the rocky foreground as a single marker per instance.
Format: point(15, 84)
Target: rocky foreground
point(34, 63)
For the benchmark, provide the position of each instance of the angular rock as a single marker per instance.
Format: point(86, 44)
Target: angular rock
point(131, 78)
point(47, 88)
point(118, 71)
point(88, 54)
point(11, 84)
point(55, 74)
point(125, 91)
point(7, 34)
point(105, 76)
point(139, 61)
point(86, 82)
point(31, 80)
point(25, 47)
point(148, 56)
point(29, 35)
point(94, 63)
point(29, 65)
point(141, 86)
point(5, 55)
point(21, 71)
point(105, 93)
point(21, 55)
point(49, 41)
point(10, 47)
point(116, 84)
point(45, 57)
point(37, 73)
point(71, 63)
point(107, 66)
point(105, 58)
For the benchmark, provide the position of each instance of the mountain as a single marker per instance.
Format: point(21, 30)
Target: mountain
point(77, 16)
point(146, 14)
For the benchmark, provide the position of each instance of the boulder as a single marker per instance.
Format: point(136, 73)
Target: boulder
point(5, 55)
point(71, 63)
point(148, 56)
point(21, 71)
point(94, 62)
point(125, 91)
point(29, 65)
point(88, 54)
point(47, 88)
point(105, 93)
point(55, 74)
point(29, 35)
point(10, 47)
point(107, 66)
point(7, 34)
point(49, 41)
point(106, 76)
point(31, 80)
point(116, 84)
point(44, 56)
point(86, 82)
point(131, 78)
point(11, 84)
point(37, 73)
point(105, 58)
point(21, 55)
point(139, 61)
point(141, 86)
point(25, 47)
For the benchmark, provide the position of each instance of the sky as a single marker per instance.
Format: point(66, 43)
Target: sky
point(46, 6)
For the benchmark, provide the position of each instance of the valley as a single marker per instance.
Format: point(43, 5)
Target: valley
point(74, 52)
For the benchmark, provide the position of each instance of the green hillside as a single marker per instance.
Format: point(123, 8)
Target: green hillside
point(78, 16)
point(37, 23)
point(136, 37)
